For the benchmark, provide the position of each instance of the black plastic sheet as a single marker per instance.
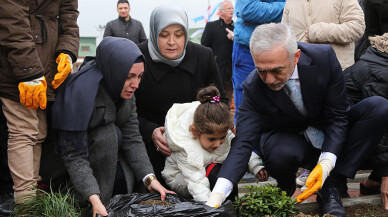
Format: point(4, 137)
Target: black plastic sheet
point(127, 206)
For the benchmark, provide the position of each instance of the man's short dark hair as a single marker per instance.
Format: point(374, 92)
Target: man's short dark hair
point(122, 1)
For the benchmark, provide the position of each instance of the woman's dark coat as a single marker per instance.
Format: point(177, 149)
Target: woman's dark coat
point(163, 85)
point(92, 145)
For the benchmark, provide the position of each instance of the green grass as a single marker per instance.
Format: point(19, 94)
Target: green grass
point(50, 204)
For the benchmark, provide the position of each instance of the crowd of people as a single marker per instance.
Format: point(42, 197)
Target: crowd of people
point(153, 114)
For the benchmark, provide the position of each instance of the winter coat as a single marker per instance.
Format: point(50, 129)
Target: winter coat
point(94, 174)
point(369, 77)
point(33, 34)
point(131, 29)
point(162, 85)
point(251, 13)
point(336, 22)
point(185, 169)
point(215, 37)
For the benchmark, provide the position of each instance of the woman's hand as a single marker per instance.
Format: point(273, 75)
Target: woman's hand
point(161, 142)
point(384, 191)
point(262, 175)
point(98, 207)
point(155, 186)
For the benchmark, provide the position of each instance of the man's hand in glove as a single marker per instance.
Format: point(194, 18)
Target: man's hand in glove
point(33, 93)
point(215, 199)
point(64, 68)
point(316, 178)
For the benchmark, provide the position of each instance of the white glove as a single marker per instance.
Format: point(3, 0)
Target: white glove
point(215, 199)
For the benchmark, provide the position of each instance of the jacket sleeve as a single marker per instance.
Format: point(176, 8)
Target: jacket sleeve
point(197, 182)
point(248, 133)
point(255, 163)
point(79, 170)
point(206, 39)
point(350, 26)
point(68, 36)
point(142, 35)
point(133, 148)
point(335, 107)
point(108, 30)
point(17, 40)
point(355, 76)
point(259, 11)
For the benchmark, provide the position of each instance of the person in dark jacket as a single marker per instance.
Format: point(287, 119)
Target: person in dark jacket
point(369, 77)
point(96, 126)
point(175, 70)
point(125, 26)
point(376, 22)
point(218, 35)
point(39, 42)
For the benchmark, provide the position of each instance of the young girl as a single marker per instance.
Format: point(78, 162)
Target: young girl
point(199, 135)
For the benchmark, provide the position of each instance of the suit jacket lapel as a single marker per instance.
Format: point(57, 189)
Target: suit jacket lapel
point(308, 76)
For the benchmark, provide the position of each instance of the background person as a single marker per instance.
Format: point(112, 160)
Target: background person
point(250, 14)
point(218, 35)
point(125, 26)
point(336, 22)
point(39, 42)
point(175, 70)
point(199, 135)
point(96, 126)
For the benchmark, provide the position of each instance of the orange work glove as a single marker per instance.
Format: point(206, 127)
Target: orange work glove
point(33, 93)
point(64, 68)
point(316, 178)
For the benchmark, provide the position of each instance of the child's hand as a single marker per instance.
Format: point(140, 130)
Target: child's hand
point(262, 175)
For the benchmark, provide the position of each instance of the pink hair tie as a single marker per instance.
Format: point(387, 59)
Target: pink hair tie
point(215, 99)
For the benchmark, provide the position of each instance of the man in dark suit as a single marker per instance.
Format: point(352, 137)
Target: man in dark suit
point(320, 131)
point(218, 35)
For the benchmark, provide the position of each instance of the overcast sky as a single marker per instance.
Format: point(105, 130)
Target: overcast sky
point(98, 12)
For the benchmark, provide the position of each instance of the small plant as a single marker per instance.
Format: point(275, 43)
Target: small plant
point(266, 200)
point(50, 204)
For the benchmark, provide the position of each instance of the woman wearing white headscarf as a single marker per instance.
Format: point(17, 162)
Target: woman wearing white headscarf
point(175, 70)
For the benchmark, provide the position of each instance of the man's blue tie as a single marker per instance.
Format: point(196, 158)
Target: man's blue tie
point(313, 135)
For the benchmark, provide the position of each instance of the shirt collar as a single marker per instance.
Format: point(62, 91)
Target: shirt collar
point(295, 75)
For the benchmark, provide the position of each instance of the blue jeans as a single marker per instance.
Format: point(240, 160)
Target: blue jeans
point(242, 64)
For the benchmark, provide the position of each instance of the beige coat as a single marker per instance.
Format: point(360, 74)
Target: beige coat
point(336, 22)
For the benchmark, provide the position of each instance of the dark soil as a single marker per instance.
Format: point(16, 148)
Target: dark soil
point(156, 202)
point(366, 210)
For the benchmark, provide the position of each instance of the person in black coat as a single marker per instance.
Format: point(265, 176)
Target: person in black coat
point(218, 35)
point(175, 70)
point(369, 77)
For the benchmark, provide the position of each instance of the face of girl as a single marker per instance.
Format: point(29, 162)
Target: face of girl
point(210, 142)
point(171, 41)
point(132, 81)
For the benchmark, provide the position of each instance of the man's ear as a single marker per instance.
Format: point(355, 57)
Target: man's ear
point(297, 56)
